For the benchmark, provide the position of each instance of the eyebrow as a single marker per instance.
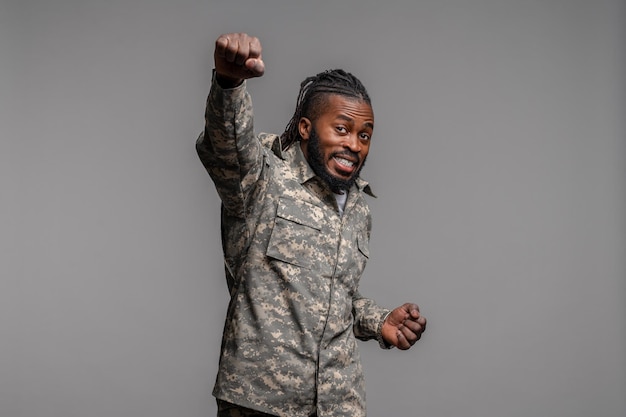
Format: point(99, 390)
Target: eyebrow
point(351, 120)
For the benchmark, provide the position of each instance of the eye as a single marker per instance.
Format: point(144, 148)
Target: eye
point(365, 136)
point(341, 129)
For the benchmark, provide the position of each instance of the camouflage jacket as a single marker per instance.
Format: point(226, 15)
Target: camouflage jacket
point(293, 266)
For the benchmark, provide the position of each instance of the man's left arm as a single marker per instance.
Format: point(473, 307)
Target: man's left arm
point(368, 319)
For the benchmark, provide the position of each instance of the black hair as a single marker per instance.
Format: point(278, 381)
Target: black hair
point(311, 99)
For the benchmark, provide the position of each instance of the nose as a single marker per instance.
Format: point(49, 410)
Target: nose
point(353, 143)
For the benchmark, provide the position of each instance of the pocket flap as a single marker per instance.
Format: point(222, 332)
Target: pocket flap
point(300, 212)
point(363, 243)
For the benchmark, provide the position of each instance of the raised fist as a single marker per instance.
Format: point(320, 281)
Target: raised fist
point(237, 57)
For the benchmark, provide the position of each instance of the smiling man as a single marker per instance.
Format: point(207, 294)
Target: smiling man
point(295, 235)
point(337, 157)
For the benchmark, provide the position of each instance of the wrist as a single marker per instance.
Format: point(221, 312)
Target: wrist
point(225, 81)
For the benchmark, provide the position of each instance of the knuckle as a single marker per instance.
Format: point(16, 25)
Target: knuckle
point(221, 42)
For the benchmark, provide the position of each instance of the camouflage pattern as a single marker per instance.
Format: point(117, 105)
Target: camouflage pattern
point(293, 266)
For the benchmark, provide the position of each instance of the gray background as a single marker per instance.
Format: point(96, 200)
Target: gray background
point(498, 159)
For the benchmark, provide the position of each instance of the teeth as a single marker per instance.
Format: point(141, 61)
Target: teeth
point(344, 162)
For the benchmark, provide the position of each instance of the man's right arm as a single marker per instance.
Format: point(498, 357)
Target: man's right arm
point(228, 148)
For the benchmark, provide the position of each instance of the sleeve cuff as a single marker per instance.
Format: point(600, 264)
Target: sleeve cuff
point(379, 333)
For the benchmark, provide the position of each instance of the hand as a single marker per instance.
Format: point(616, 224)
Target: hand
point(404, 326)
point(237, 57)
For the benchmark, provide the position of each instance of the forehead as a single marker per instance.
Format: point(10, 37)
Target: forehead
point(337, 105)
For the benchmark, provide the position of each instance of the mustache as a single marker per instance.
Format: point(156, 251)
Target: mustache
point(349, 155)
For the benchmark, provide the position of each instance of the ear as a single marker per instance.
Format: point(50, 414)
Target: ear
point(304, 128)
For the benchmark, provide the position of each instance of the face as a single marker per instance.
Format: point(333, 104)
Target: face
point(336, 144)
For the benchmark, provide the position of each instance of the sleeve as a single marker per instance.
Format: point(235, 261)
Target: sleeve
point(228, 147)
point(368, 319)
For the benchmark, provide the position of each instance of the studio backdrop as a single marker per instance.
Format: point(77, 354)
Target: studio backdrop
point(498, 159)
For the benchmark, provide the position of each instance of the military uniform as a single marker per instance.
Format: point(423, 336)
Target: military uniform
point(293, 266)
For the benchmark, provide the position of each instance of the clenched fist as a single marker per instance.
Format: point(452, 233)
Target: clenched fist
point(237, 57)
point(404, 326)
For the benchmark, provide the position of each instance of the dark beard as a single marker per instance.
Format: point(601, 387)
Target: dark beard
point(317, 163)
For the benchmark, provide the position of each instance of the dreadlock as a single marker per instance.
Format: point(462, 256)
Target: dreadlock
point(311, 99)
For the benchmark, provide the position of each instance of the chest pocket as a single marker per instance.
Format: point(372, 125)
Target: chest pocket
point(363, 244)
point(361, 255)
point(297, 237)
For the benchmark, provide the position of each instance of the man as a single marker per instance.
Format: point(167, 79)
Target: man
point(295, 235)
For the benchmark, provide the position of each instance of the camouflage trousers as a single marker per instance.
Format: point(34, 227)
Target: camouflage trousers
point(226, 409)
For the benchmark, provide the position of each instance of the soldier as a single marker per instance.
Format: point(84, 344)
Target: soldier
point(295, 235)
